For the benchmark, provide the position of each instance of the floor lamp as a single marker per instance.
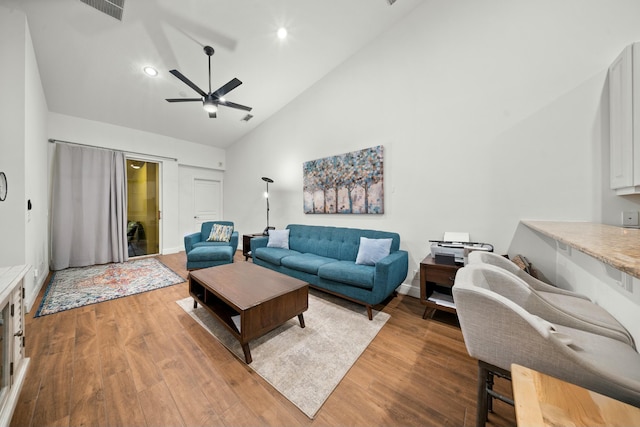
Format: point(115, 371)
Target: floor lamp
point(266, 196)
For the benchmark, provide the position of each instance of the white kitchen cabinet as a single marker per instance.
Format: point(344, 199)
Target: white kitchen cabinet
point(624, 123)
point(13, 360)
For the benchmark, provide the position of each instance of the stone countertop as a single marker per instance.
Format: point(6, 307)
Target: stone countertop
point(616, 246)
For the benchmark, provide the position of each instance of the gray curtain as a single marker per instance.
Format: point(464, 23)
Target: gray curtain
point(88, 207)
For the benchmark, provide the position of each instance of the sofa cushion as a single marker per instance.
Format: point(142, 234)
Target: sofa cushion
point(220, 233)
point(348, 272)
point(309, 263)
point(211, 253)
point(372, 250)
point(274, 255)
point(334, 242)
point(209, 244)
point(278, 239)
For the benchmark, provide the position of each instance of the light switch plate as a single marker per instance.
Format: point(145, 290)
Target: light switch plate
point(630, 219)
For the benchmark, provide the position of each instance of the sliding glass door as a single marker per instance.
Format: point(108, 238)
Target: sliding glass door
point(143, 225)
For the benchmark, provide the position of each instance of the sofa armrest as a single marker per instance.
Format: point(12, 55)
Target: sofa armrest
point(190, 240)
point(258, 242)
point(390, 272)
point(234, 241)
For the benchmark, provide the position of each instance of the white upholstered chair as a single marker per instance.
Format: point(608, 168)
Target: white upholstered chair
point(499, 331)
point(572, 303)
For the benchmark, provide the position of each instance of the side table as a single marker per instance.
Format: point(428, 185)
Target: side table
point(439, 278)
point(246, 244)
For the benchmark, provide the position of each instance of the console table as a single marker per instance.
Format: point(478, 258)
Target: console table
point(439, 278)
point(13, 363)
point(246, 244)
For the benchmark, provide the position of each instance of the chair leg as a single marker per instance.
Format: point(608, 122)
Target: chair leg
point(482, 411)
point(489, 395)
point(486, 373)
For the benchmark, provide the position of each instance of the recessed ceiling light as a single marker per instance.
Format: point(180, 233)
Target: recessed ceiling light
point(282, 33)
point(150, 71)
point(221, 99)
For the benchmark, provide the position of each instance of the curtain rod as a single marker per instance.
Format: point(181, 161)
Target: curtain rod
point(51, 140)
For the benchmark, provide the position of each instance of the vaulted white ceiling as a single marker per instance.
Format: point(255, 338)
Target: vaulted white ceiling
point(91, 64)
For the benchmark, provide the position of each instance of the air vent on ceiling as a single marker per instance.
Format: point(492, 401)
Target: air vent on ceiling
point(246, 118)
point(112, 8)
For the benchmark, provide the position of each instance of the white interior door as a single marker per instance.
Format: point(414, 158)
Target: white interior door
point(207, 201)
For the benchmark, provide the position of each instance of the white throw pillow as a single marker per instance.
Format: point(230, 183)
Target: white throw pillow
point(278, 239)
point(372, 250)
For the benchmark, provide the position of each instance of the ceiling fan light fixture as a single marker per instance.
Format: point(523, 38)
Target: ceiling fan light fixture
point(209, 106)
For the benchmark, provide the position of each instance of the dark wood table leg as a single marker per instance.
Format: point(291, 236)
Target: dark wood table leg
point(428, 312)
point(195, 303)
point(247, 353)
point(301, 319)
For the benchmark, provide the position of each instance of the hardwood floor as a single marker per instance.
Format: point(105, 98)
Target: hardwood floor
point(142, 361)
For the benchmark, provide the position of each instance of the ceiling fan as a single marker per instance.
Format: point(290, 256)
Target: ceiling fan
point(211, 100)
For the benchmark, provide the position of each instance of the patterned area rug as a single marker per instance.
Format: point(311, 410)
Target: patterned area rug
point(304, 364)
point(77, 287)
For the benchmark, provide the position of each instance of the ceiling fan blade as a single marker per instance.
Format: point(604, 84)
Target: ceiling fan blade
point(234, 105)
point(212, 115)
point(188, 82)
point(231, 85)
point(184, 99)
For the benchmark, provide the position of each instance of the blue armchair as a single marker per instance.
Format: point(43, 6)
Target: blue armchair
point(203, 254)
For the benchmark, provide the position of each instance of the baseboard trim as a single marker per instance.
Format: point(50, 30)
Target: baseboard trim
point(408, 289)
point(31, 299)
point(169, 251)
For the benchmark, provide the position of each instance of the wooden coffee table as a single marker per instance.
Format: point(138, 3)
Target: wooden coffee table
point(248, 300)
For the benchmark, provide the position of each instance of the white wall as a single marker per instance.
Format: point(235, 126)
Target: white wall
point(23, 154)
point(13, 28)
point(36, 178)
point(489, 112)
point(67, 128)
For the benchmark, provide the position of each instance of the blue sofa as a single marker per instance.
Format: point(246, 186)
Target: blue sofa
point(203, 254)
point(325, 258)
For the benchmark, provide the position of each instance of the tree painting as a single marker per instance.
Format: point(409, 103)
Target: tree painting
point(350, 183)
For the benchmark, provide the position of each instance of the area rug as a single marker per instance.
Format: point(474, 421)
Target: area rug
point(304, 364)
point(77, 287)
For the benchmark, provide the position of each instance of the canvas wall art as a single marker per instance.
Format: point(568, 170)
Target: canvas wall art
point(350, 183)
